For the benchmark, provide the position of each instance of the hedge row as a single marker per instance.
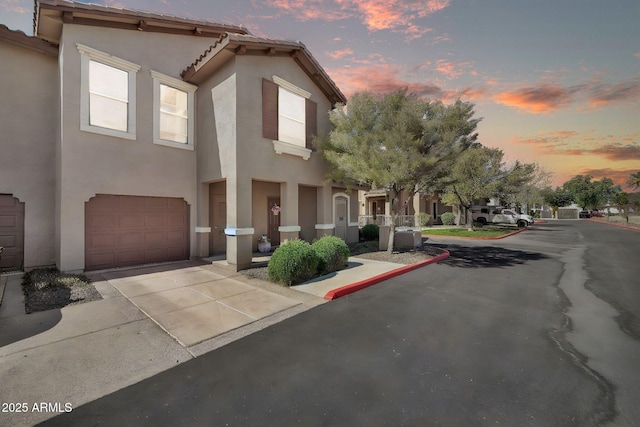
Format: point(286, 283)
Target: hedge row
point(297, 261)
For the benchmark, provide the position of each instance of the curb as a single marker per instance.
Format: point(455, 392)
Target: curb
point(354, 287)
point(615, 225)
point(520, 230)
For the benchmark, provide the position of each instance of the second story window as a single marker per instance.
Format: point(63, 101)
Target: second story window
point(173, 112)
point(107, 94)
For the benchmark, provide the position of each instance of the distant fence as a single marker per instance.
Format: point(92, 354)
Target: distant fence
point(401, 220)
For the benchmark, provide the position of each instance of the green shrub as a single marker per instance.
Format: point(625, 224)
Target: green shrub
point(424, 218)
point(332, 253)
point(292, 263)
point(448, 218)
point(370, 232)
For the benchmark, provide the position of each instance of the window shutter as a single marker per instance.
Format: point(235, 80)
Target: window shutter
point(311, 122)
point(269, 109)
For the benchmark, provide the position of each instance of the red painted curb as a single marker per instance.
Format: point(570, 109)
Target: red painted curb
point(615, 225)
point(520, 230)
point(354, 287)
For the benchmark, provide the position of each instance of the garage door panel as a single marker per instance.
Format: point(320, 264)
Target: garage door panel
point(125, 257)
point(145, 229)
point(103, 221)
point(11, 232)
point(155, 203)
point(103, 260)
point(130, 220)
point(176, 220)
point(102, 241)
point(130, 240)
point(8, 221)
point(154, 220)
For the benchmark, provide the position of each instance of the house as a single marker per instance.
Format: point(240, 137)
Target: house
point(131, 137)
point(375, 208)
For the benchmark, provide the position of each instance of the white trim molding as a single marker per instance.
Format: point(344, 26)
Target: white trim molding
point(203, 230)
point(295, 150)
point(289, 228)
point(88, 54)
point(325, 226)
point(187, 88)
point(232, 231)
point(291, 87)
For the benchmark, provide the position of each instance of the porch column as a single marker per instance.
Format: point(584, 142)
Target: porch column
point(239, 230)
point(416, 210)
point(289, 228)
point(203, 228)
point(325, 225)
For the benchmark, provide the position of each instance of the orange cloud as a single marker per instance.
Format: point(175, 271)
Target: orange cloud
point(618, 176)
point(602, 94)
point(394, 15)
point(339, 54)
point(453, 69)
point(542, 99)
point(379, 78)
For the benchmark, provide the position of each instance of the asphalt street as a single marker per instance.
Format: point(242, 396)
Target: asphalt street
point(540, 329)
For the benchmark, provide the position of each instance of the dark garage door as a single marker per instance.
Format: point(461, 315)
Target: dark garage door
point(11, 233)
point(131, 230)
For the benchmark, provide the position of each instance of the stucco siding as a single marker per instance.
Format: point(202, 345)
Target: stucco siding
point(92, 163)
point(28, 123)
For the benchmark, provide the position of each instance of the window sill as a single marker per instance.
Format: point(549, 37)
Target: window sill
point(294, 150)
point(172, 144)
point(108, 132)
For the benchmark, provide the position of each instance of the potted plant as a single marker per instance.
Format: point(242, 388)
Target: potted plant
point(264, 244)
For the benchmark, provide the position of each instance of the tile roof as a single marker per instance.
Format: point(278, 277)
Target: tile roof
point(21, 39)
point(229, 44)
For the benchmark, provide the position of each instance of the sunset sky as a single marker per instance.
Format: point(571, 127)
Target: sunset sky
point(555, 81)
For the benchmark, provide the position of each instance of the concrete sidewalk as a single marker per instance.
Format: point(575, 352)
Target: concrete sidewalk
point(149, 320)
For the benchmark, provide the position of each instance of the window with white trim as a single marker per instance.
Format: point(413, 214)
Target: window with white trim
point(173, 112)
point(289, 117)
point(108, 94)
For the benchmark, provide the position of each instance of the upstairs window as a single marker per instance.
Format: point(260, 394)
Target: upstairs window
point(173, 112)
point(289, 117)
point(108, 89)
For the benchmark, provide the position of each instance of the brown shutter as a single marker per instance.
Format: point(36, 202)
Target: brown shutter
point(269, 109)
point(311, 122)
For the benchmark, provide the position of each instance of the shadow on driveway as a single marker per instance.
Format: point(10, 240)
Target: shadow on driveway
point(486, 256)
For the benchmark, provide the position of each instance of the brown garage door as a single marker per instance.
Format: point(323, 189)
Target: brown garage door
point(11, 233)
point(131, 230)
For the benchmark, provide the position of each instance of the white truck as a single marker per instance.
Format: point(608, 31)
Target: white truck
point(499, 215)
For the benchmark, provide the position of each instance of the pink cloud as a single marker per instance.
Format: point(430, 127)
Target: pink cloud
point(537, 99)
point(15, 6)
point(453, 69)
point(339, 54)
point(377, 15)
point(379, 78)
point(549, 97)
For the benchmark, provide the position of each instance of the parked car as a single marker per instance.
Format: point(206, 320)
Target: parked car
point(597, 214)
point(584, 214)
point(499, 215)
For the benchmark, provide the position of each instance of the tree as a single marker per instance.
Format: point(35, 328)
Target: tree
point(527, 191)
point(588, 194)
point(396, 142)
point(634, 181)
point(474, 175)
point(556, 198)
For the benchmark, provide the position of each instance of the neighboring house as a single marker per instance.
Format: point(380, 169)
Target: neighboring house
point(130, 138)
point(375, 208)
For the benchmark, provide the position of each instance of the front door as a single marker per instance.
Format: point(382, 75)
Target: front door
point(340, 217)
point(274, 221)
point(218, 221)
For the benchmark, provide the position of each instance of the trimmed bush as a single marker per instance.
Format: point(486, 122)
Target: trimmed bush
point(448, 218)
point(332, 253)
point(370, 232)
point(424, 218)
point(292, 263)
